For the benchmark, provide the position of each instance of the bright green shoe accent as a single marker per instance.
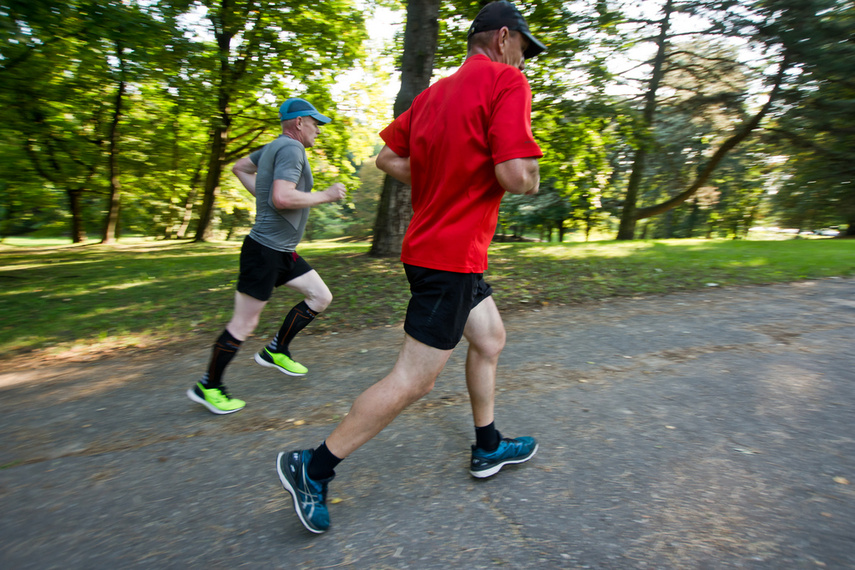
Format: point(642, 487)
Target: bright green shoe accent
point(281, 362)
point(217, 400)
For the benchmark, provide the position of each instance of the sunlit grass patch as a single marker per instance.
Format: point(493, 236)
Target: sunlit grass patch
point(145, 292)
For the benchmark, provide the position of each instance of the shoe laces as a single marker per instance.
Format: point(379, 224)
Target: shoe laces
point(506, 446)
point(224, 392)
point(510, 443)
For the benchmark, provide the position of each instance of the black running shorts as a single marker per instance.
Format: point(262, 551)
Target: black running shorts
point(440, 304)
point(262, 269)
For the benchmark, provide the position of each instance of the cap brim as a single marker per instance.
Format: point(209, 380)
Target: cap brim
point(535, 47)
point(322, 119)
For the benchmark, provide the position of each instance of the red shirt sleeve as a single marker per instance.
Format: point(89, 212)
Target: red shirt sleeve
point(510, 133)
point(397, 134)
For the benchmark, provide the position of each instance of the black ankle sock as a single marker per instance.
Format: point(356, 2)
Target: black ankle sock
point(323, 463)
point(299, 316)
point(222, 353)
point(487, 437)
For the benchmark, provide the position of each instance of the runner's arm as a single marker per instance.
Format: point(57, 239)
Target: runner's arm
point(519, 175)
point(398, 167)
point(245, 170)
point(287, 197)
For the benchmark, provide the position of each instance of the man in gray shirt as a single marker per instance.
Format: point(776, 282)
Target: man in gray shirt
point(280, 178)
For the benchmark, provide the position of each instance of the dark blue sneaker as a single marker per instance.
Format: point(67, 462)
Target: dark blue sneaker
point(310, 497)
point(518, 450)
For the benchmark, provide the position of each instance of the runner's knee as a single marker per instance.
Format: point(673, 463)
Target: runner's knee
point(242, 326)
point(319, 299)
point(490, 346)
point(419, 389)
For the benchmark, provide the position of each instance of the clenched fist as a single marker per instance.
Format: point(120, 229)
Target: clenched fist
point(336, 192)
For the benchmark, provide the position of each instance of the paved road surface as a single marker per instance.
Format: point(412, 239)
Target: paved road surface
point(712, 429)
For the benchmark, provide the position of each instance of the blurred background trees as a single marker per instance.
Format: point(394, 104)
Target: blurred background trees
point(658, 118)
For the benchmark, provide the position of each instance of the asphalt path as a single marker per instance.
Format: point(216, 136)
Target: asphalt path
point(709, 429)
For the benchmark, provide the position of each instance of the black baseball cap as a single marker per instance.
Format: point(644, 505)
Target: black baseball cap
point(497, 15)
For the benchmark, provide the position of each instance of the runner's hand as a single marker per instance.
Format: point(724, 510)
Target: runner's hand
point(336, 192)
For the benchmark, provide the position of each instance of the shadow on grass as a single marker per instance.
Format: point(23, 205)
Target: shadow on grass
point(158, 291)
point(65, 295)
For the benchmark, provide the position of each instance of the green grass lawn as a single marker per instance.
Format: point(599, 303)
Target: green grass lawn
point(140, 293)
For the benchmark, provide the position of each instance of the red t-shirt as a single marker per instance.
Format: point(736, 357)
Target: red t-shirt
point(455, 132)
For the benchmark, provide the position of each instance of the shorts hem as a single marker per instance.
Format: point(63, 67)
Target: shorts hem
point(250, 294)
point(430, 341)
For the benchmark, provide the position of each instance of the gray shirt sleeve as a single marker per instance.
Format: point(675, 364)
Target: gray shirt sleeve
point(289, 163)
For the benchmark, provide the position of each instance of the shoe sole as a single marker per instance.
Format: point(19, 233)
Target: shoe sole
point(211, 408)
point(266, 364)
point(289, 486)
point(496, 468)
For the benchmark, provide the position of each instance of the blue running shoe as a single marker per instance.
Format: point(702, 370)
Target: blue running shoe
point(518, 450)
point(310, 496)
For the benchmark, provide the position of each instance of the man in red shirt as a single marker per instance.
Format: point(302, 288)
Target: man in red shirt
point(464, 142)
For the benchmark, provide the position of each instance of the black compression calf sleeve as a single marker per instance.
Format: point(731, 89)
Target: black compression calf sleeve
point(223, 352)
point(300, 316)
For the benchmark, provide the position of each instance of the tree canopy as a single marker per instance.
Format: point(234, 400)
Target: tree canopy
point(666, 119)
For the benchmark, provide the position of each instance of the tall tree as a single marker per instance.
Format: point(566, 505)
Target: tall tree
point(817, 132)
point(52, 97)
point(645, 135)
point(131, 41)
point(112, 221)
point(64, 78)
point(780, 29)
point(420, 44)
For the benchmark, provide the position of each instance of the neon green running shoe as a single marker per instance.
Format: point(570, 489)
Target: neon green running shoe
point(217, 400)
point(280, 361)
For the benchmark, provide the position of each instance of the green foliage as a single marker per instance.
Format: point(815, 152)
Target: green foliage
point(192, 67)
point(817, 131)
point(63, 63)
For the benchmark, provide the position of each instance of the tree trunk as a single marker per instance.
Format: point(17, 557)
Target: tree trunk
point(220, 128)
point(393, 216)
point(692, 220)
point(8, 211)
point(216, 160)
point(78, 234)
point(420, 39)
point(667, 231)
point(111, 225)
point(628, 218)
point(189, 203)
point(53, 172)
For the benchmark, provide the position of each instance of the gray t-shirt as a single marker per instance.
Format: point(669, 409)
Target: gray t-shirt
point(282, 159)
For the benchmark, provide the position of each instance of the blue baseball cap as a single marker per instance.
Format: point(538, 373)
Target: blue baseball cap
point(293, 108)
